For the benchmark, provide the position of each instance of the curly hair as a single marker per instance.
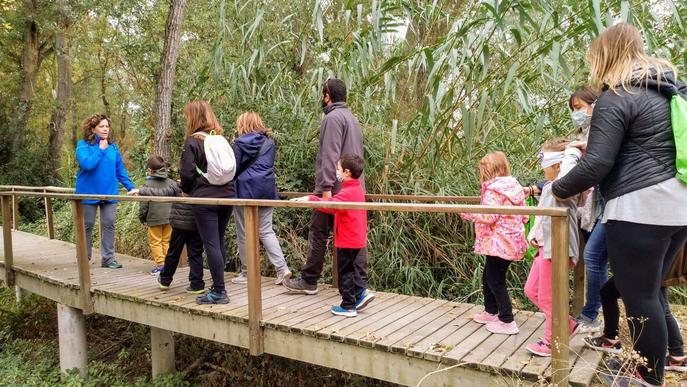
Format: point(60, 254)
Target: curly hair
point(90, 123)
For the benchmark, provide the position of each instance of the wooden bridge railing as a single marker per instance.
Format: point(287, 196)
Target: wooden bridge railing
point(559, 218)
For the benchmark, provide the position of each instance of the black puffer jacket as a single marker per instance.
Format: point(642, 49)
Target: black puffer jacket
point(181, 216)
point(192, 183)
point(631, 144)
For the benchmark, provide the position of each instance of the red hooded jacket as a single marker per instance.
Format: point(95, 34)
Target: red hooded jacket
point(350, 226)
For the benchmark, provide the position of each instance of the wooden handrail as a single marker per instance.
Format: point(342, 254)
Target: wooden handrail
point(561, 339)
point(398, 207)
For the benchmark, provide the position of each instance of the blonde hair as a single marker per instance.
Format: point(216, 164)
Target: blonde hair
point(617, 56)
point(492, 165)
point(250, 122)
point(555, 145)
point(200, 117)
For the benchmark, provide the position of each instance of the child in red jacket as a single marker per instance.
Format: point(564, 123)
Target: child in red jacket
point(350, 233)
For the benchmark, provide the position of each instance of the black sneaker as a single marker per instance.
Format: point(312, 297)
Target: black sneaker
point(161, 285)
point(191, 290)
point(213, 297)
point(676, 363)
point(604, 344)
point(298, 285)
point(112, 265)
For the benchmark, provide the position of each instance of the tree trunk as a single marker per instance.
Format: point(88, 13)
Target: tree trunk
point(64, 91)
point(163, 95)
point(29, 70)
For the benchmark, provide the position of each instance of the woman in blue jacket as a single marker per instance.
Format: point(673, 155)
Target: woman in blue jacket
point(100, 170)
point(255, 179)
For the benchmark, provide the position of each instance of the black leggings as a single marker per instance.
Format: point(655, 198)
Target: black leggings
point(611, 311)
point(496, 298)
point(638, 253)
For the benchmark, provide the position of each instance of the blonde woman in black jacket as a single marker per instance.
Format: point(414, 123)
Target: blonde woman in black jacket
point(631, 154)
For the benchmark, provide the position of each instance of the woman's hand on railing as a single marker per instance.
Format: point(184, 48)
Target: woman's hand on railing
point(300, 199)
point(133, 192)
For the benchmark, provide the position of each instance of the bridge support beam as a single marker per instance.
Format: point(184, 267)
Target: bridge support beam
point(162, 348)
point(72, 338)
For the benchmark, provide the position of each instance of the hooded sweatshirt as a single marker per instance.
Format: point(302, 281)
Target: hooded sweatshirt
point(155, 214)
point(497, 235)
point(255, 179)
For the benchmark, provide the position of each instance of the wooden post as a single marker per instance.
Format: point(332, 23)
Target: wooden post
point(256, 340)
point(15, 211)
point(49, 217)
point(560, 324)
point(82, 257)
point(335, 269)
point(7, 241)
point(578, 283)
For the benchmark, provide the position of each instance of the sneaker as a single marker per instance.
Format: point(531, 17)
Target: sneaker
point(242, 279)
point(281, 277)
point(339, 311)
point(620, 379)
point(587, 325)
point(540, 348)
point(156, 270)
point(191, 290)
point(161, 285)
point(298, 285)
point(213, 297)
point(112, 265)
point(503, 328)
point(364, 298)
point(604, 344)
point(485, 317)
point(676, 363)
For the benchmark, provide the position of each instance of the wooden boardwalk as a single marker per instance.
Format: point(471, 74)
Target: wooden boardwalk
point(396, 338)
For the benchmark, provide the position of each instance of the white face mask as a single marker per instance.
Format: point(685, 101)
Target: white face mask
point(339, 176)
point(580, 118)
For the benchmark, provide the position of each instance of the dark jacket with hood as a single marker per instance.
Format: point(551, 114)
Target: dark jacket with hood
point(631, 144)
point(181, 215)
point(255, 180)
point(155, 214)
point(340, 135)
point(193, 183)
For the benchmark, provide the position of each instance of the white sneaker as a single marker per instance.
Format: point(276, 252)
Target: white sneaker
point(286, 274)
point(242, 279)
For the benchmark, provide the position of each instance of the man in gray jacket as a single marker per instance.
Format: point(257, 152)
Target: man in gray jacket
point(340, 135)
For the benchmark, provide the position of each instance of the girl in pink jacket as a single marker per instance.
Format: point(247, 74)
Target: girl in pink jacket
point(501, 238)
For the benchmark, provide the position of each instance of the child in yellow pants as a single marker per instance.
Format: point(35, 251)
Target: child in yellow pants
point(156, 215)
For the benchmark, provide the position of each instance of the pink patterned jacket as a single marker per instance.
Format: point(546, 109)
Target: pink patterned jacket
point(501, 236)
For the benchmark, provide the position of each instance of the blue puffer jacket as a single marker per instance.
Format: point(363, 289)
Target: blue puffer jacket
point(100, 171)
point(258, 181)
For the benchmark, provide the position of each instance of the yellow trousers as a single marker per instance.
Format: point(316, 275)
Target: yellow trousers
point(158, 237)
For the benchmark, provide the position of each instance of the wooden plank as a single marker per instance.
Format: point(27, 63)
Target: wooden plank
point(389, 315)
point(317, 310)
point(428, 344)
point(297, 304)
point(82, 256)
point(455, 340)
point(50, 223)
point(7, 242)
point(421, 329)
point(332, 329)
point(256, 339)
point(401, 324)
point(560, 341)
point(521, 357)
point(410, 327)
point(585, 368)
point(490, 345)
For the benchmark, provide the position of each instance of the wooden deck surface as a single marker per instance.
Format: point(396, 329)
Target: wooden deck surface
point(395, 332)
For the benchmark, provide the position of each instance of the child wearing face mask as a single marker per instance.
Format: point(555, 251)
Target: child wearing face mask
point(350, 234)
point(557, 158)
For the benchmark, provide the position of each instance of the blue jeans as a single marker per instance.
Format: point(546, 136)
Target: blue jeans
point(596, 267)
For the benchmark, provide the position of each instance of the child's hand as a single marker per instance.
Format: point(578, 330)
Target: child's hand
point(300, 199)
point(133, 192)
